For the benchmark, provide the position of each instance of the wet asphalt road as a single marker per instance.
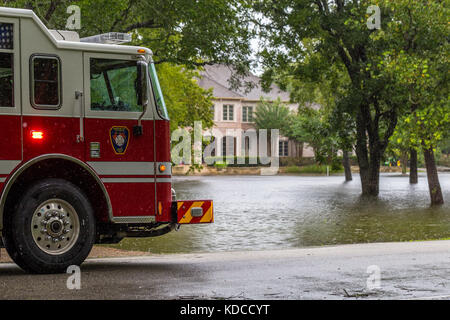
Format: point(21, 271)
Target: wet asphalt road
point(409, 270)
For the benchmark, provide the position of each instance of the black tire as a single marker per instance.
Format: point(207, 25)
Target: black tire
point(21, 242)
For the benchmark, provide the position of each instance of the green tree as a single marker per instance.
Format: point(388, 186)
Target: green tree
point(419, 65)
point(339, 32)
point(185, 100)
point(327, 90)
point(312, 126)
point(271, 115)
point(375, 97)
point(399, 147)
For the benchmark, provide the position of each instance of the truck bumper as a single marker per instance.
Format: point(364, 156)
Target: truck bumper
point(192, 211)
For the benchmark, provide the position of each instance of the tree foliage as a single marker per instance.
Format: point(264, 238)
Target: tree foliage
point(308, 38)
point(185, 100)
point(271, 115)
point(312, 126)
point(419, 66)
point(189, 33)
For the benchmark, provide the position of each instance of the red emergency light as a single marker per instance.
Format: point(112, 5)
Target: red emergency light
point(37, 135)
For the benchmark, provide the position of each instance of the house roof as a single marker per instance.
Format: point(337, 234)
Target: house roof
point(218, 77)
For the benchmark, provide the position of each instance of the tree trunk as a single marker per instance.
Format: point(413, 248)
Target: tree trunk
point(300, 149)
point(369, 173)
point(369, 162)
point(433, 178)
point(347, 167)
point(404, 162)
point(413, 177)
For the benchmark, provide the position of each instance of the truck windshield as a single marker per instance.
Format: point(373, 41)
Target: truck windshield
point(159, 99)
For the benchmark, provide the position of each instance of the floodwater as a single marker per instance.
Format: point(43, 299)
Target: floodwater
point(280, 212)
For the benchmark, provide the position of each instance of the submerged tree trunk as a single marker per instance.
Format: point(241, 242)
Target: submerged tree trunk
point(433, 178)
point(404, 162)
point(347, 167)
point(413, 177)
point(370, 181)
point(369, 156)
point(369, 172)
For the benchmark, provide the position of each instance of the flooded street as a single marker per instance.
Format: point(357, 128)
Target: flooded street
point(282, 212)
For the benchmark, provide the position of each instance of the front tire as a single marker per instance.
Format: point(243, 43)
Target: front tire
point(51, 228)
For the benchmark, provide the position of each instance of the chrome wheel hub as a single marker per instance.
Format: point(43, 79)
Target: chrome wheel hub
point(55, 226)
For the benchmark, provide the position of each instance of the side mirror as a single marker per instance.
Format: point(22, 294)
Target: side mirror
point(142, 89)
point(142, 92)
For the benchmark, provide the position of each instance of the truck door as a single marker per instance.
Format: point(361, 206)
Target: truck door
point(10, 102)
point(122, 159)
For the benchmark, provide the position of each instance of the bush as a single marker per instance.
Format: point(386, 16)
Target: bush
point(220, 165)
point(314, 168)
point(292, 169)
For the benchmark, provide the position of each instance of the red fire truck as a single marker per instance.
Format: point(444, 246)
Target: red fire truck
point(84, 146)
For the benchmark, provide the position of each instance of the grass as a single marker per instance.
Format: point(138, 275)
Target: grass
point(432, 239)
point(314, 169)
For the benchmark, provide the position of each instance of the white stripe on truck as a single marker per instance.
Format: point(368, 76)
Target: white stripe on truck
point(123, 167)
point(7, 166)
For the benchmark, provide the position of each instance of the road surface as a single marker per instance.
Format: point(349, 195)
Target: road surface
point(408, 270)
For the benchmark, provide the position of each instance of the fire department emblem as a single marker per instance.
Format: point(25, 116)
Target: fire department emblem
point(119, 139)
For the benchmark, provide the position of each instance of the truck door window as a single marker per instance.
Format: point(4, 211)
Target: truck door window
point(114, 85)
point(6, 80)
point(45, 82)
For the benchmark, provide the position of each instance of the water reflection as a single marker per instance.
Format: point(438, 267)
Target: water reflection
point(263, 212)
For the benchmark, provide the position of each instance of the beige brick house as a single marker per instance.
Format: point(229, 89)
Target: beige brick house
point(233, 113)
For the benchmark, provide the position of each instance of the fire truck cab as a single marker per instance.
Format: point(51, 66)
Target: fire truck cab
point(84, 146)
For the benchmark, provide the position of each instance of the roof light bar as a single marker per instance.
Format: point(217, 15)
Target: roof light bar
point(108, 38)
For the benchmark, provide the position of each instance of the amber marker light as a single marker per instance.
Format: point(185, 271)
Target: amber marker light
point(162, 168)
point(141, 51)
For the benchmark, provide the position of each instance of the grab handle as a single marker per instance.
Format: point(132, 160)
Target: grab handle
point(80, 137)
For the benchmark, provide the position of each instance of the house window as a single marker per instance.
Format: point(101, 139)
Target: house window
point(228, 146)
point(247, 114)
point(46, 82)
point(228, 112)
point(213, 112)
point(224, 146)
point(283, 148)
point(246, 147)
